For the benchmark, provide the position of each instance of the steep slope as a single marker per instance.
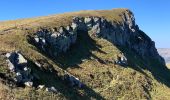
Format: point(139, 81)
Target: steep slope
point(103, 50)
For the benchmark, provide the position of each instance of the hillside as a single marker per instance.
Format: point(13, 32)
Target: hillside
point(89, 55)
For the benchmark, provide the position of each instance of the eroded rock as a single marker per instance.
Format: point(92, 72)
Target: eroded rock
point(125, 33)
point(18, 65)
point(51, 89)
point(56, 41)
point(121, 60)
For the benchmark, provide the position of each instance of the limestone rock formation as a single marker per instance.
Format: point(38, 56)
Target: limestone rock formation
point(121, 60)
point(58, 40)
point(18, 65)
point(126, 34)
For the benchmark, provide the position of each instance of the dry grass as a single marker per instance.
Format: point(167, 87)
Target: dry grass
point(5, 93)
point(60, 19)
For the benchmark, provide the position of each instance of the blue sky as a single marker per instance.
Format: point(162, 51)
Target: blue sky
point(152, 16)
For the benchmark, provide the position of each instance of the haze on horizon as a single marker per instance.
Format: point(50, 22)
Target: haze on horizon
point(151, 16)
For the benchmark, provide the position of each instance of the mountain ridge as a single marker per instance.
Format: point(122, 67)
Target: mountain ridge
point(84, 55)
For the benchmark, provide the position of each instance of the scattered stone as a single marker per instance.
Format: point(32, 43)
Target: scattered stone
point(41, 86)
point(37, 40)
point(72, 81)
point(121, 60)
point(38, 64)
point(29, 84)
point(51, 89)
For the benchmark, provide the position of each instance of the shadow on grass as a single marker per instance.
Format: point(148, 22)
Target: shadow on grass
point(50, 78)
point(159, 71)
point(81, 50)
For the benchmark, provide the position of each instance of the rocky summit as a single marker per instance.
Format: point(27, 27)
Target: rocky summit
point(89, 55)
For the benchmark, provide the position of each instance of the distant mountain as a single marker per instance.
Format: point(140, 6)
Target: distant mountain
point(165, 52)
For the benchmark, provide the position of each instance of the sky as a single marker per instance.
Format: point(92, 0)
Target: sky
point(152, 16)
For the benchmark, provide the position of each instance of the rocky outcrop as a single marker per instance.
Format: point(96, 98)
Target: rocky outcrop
point(18, 65)
point(125, 33)
point(55, 40)
point(23, 75)
point(72, 80)
point(121, 60)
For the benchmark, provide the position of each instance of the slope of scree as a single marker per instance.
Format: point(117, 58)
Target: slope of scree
point(105, 51)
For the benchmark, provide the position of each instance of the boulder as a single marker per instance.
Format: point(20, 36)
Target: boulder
point(21, 60)
point(41, 86)
point(28, 84)
point(38, 64)
point(36, 39)
point(18, 65)
point(51, 89)
point(121, 60)
point(72, 80)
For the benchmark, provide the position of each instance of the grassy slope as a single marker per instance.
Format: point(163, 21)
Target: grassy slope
point(83, 60)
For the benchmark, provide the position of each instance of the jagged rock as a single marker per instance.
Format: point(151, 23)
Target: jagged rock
point(97, 20)
point(124, 34)
point(29, 84)
point(38, 64)
point(18, 65)
point(79, 21)
point(19, 77)
point(74, 26)
point(73, 34)
point(121, 60)
point(11, 66)
point(16, 59)
point(51, 89)
point(89, 22)
point(58, 40)
point(73, 81)
point(8, 55)
point(41, 86)
point(37, 40)
point(26, 71)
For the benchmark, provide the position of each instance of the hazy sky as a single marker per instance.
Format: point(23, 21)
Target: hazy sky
point(152, 16)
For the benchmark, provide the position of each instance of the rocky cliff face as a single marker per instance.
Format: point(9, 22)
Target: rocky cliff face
point(100, 55)
point(126, 34)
